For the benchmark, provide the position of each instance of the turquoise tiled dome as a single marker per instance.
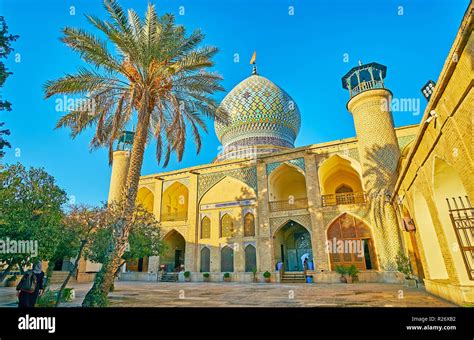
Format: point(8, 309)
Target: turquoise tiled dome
point(261, 115)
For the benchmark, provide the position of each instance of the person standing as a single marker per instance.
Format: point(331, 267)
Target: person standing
point(30, 286)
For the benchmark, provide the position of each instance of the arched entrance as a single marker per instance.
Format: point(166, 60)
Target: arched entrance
point(292, 244)
point(173, 257)
point(175, 203)
point(449, 187)
point(350, 242)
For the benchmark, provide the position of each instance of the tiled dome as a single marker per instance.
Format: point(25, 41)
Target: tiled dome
point(262, 118)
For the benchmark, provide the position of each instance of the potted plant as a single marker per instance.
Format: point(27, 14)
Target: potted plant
point(352, 272)
point(254, 272)
point(206, 277)
point(187, 276)
point(267, 276)
point(404, 267)
point(343, 271)
point(11, 281)
point(68, 295)
point(227, 277)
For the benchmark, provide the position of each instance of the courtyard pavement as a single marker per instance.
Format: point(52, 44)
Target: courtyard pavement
point(194, 294)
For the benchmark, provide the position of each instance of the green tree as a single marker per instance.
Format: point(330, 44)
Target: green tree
point(144, 238)
point(30, 210)
point(78, 229)
point(5, 49)
point(146, 70)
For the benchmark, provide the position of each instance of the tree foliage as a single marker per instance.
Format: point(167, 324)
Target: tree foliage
point(30, 210)
point(144, 239)
point(5, 49)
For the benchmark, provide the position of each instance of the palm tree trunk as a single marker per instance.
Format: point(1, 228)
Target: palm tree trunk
point(97, 295)
point(73, 269)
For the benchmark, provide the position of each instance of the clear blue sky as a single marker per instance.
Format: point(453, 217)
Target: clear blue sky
point(302, 53)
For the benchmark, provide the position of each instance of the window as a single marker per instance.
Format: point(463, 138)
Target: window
point(343, 188)
point(205, 260)
point(358, 248)
point(250, 258)
point(227, 259)
point(227, 226)
point(206, 227)
point(249, 225)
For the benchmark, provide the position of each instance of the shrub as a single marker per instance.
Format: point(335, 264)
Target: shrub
point(48, 299)
point(187, 274)
point(341, 270)
point(226, 275)
point(267, 274)
point(68, 294)
point(403, 264)
point(206, 275)
point(352, 271)
point(11, 279)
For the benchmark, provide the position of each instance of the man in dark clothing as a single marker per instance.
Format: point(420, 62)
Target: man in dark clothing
point(26, 298)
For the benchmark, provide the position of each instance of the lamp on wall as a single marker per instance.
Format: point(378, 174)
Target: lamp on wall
point(408, 224)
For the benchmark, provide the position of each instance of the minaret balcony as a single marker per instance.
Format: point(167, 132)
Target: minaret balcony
point(366, 86)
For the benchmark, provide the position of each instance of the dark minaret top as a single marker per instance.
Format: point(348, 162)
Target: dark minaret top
point(364, 77)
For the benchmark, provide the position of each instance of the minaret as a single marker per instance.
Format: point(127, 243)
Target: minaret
point(120, 164)
point(378, 148)
point(370, 107)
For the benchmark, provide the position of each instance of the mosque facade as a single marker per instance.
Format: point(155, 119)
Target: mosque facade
point(265, 205)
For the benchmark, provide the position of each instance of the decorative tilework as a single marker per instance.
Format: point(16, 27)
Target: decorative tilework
point(247, 175)
point(299, 162)
point(260, 113)
point(277, 222)
point(404, 140)
point(184, 181)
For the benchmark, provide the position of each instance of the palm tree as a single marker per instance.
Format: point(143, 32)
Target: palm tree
point(150, 72)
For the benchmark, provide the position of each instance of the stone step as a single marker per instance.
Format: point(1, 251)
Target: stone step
point(58, 277)
point(293, 278)
point(169, 277)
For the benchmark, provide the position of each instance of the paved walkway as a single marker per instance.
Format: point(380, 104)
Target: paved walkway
point(190, 294)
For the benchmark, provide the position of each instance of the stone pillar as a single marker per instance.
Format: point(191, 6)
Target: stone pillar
point(157, 194)
point(192, 237)
point(318, 229)
point(264, 238)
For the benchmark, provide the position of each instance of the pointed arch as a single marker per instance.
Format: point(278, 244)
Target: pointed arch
point(250, 258)
point(429, 238)
point(287, 181)
point(249, 224)
point(338, 171)
point(146, 198)
point(227, 189)
point(227, 259)
point(226, 226)
point(205, 227)
point(448, 186)
point(175, 202)
point(292, 243)
point(173, 257)
point(350, 242)
point(205, 260)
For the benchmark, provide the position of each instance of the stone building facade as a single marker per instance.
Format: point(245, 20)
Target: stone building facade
point(265, 205)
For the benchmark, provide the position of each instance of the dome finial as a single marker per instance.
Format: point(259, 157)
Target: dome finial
point(253, 62)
